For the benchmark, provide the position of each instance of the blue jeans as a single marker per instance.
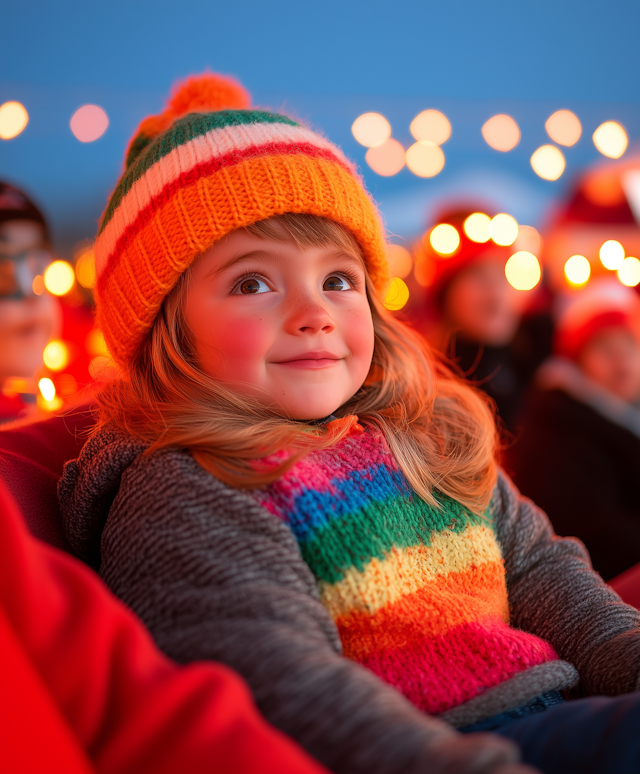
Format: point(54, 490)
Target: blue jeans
point(599, 735)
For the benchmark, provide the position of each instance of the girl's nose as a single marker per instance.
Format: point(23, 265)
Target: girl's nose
point(307, 313)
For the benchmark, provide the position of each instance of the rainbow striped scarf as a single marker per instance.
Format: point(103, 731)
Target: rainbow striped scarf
point(418, 594)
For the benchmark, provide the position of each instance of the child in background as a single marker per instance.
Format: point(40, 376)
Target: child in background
point(27, 319)
point(284, 480)
point(579, 452)
point(475, 317)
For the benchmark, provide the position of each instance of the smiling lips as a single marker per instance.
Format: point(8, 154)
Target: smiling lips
point(311, 360)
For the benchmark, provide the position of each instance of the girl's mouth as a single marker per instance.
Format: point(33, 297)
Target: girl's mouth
point(311, 360)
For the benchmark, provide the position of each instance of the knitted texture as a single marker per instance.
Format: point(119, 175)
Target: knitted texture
point(215, 576)
point(201, 175)
point(417, 593)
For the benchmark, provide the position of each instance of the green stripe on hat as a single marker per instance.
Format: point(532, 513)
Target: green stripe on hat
point(181, 132)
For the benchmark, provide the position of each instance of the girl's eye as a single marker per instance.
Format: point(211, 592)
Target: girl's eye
point(253, 285)
point(335, 282)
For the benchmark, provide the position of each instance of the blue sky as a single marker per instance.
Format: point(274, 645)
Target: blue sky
point(326, 63)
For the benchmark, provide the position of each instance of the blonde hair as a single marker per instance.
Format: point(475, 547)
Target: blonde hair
point(440, 430)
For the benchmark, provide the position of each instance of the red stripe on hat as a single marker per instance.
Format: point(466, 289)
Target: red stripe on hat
point(206, 169)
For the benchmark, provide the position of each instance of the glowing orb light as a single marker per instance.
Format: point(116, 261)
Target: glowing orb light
point(59, 278)
point(629, 272)
point(577, 270)
point(89, 123)
point(611, 139)
point(431, 126)
point(56, 355)
point(523, 270)
point(400, 263)
point(444, 239)
point(386, 159)
point(13, 119)
point(548, 162)
point(612, 255)
point(38, 285)
point(86, 269)
point(397, 295)
point(504, 229)
point(478, 227)
point(501, 133)
point(528, 239)
point(371, 129)
point(47, 388)
point(425, 159)
point(564, 127)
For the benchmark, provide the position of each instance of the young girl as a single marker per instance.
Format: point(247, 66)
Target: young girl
point(284, 480)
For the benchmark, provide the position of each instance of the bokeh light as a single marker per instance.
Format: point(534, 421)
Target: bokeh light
point(400, 262)
point(89, 123)
point(611, 255)
point(629, 272)
point(523, 270)
point(386, 159)
point(425, 159)
point(548, 162)
point(444, 239)
point(47, 389)
point(503, 229)
point(38, 285)
point(577, 270)
point(501, 133)
point(95, 343)
point(431, 126)
point(528, 239)
point(371, 129)
point(59, 278)
point(424, 269)
point(611, 139)
point(478, 227)
point(397, 295)
point(564, 127)
point(86, 269)
point(56, 355)
point(13, 119)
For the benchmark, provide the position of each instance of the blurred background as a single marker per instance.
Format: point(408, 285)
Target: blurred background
point(326, 63)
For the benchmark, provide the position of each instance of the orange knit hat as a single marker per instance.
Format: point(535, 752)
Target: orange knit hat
point(207, 165)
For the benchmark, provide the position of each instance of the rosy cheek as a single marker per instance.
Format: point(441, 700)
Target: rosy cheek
point(359, 333)
point(233, 344)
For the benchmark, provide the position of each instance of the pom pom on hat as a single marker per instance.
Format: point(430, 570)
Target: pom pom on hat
point(197, 94)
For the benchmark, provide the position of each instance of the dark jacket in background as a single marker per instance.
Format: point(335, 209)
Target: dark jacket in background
point(578, 457)
point(505, 373)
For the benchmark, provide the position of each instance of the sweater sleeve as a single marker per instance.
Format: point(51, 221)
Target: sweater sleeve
point(215, 576)
point(554, 593)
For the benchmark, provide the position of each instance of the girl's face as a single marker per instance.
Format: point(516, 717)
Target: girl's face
point(287, 325)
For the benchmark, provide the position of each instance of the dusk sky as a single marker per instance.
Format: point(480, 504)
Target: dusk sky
point(325, 63)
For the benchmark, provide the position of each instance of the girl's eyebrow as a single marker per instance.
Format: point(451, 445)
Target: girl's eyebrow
point(263, 254)
point(257, 254)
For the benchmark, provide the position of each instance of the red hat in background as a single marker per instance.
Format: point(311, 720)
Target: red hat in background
point(440, 267)
point(16, 205)
point(604, 304)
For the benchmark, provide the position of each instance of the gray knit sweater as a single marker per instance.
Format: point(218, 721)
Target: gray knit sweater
point(214, 575)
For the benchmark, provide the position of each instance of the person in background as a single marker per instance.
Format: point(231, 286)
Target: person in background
point(27, 318)
point(579, 453)
point(475, 318)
